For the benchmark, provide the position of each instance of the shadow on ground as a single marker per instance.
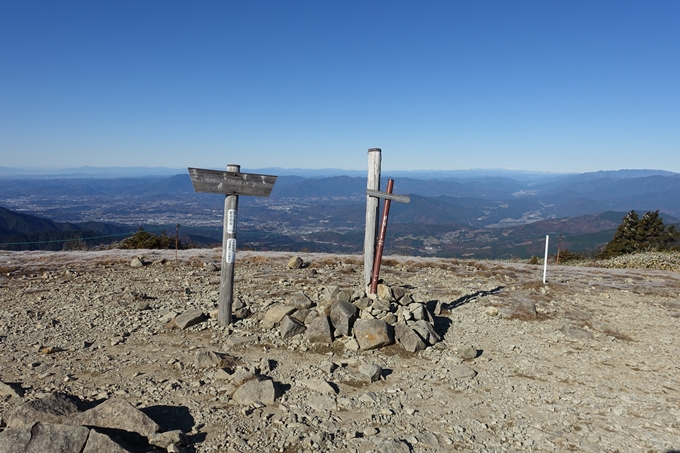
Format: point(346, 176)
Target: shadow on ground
point(467, 298)
point(170, 418)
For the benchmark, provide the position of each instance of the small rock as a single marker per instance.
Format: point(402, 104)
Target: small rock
point(408, 338)
point(164, 440)
point(418, 311)
point(137, 262)
point(437, 309)
point(342, 315)
point(101, 443)
point(328, 367)
point(426, 331)
point(266, 365)
point(576, 333)
point(329, 293)
point(275, 314)
point(406, 300)
point(188, 319)
point(52, 408)
point(322, 403)
point(491, 311)
point(371, 371)
point(300, 301)
point(343, 296)
point(205, 359)
point(370, 431)
point(234, 341)
point(168, 316)
point(313, 314)
point(256, 391)
point(210, 267)
point(428, 440)
point(116, 413)
point(319, 330)
point(352, 345)
point(238, 304)
point(398, 292)
point(50, 350)
point(384, 292)
point(222, 374)
point(394, 446)
point(44, 437)
point(318, 385)
point(241, 376)
point(295, 263)
point(301, 315)
point(462, 372)
point(467, 352)
point(390, 318)
point(381, 304)
point(362, 303)
point(289, 327)
point(373, 333)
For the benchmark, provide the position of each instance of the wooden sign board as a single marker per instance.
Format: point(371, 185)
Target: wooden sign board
point(230, 183)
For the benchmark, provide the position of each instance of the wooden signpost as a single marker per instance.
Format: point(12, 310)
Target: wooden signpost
point(373, 253)
point(231, 183)
point(388, 197)
point(372, 205)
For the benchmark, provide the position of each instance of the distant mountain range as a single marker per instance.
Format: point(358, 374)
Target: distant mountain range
point(458, 212)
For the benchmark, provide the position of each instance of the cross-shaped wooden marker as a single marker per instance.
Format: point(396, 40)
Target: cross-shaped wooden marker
point(388, 197)
point(231, 183)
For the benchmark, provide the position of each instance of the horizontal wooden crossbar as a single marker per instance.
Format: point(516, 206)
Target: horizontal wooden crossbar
point(388, 196)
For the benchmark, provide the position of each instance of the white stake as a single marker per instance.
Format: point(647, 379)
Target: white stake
point(545, 260)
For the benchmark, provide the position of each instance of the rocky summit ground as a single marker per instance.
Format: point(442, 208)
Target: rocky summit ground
point(587, 362)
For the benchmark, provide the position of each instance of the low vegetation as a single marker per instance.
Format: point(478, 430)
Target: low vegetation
point(143, 239)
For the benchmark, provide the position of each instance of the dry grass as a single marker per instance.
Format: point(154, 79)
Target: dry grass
point(324, 262)
point(255, 260)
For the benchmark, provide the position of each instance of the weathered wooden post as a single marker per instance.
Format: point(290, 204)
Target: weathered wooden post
point(231, 183)
point(389, 197)
point(545, 260)
point(374, 159)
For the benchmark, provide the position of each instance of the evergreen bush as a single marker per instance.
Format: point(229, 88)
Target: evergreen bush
point(637, 234)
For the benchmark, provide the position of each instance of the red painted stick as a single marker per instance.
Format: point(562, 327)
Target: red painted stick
point(381, 240)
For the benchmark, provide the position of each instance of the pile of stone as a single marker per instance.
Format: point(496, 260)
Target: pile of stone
point(58, 422)
point(361, 321)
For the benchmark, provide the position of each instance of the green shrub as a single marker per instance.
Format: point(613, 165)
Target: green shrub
point(144, 240)
point(567, 255)
point(644, 234)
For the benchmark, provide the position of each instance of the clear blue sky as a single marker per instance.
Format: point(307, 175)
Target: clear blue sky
point(533, 85)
